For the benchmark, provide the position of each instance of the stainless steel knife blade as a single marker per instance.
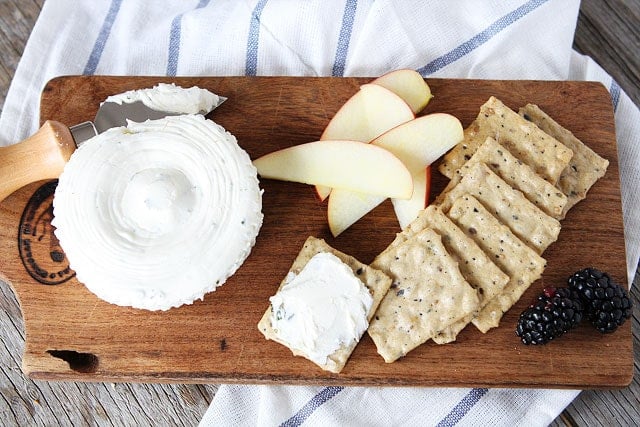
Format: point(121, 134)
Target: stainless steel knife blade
point(112, 114)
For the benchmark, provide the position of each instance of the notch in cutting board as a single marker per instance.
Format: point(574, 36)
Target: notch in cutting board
point(84, 363)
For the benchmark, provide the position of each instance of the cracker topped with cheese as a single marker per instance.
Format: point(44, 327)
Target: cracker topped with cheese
point(324, 305)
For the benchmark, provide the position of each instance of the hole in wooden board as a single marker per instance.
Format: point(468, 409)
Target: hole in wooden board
point(85, 363)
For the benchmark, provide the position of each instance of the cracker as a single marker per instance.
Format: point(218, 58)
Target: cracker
point(428, 294)
point(376, 281)
point(518, 175)
point(475, 266)
point(523, 265)
point(473, 136)
point(585, 167)
point(544, 154)
point(526, 221)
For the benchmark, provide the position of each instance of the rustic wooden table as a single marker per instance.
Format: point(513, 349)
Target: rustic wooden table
point(607, 31)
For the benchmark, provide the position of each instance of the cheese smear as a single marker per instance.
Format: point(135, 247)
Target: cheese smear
point(322, 308)
point(171, 98)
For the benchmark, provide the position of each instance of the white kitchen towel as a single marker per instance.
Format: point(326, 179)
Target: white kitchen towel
point(492, 39)
point(243, 405)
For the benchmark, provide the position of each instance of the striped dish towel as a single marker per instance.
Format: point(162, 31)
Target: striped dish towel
point(493, 39)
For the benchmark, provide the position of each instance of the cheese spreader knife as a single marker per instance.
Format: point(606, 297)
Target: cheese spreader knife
point(44, 154)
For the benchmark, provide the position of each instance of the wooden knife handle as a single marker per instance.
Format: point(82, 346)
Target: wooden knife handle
point(41, 156)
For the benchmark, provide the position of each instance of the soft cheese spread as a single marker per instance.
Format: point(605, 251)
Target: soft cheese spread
point(156, 214)
point(171, 98)
point(322, 308)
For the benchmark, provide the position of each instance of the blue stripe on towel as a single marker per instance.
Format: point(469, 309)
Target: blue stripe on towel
point(342, 50)
point(463, 407)
point(103, 35)
point(174, 40)
point(480, 38)
point(614, 90)
point(316, 401)
point(251, 64)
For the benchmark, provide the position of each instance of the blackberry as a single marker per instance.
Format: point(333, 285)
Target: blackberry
point(607, 305)
point(554, 313)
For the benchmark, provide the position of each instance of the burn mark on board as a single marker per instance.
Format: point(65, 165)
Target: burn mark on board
point(39, 248)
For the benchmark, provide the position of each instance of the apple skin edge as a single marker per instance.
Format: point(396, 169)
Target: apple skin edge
point(427, 193)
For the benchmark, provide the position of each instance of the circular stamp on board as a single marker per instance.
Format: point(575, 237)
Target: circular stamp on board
point(40, 251)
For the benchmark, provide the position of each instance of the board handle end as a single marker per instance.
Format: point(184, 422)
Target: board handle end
point(40, 156)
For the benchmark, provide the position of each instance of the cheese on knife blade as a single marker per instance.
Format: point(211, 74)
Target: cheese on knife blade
point(171, 98)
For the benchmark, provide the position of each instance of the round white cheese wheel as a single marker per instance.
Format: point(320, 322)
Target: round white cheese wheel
point(156, 214)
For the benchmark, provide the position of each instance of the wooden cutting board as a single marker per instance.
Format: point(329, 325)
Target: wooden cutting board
point(72, 335)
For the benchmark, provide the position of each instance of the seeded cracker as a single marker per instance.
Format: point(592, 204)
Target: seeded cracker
point(520, 176)
point(523, 265)
point(376, 281)
point(510, 206)
point(476, 267)
point(585, 168)
point(543, 153)
point(428, 294)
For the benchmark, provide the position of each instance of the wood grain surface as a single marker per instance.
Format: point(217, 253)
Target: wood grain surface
point(72, 335)
point(606, 31)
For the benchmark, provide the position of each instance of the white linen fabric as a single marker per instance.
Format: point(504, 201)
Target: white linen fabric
point(492, 39)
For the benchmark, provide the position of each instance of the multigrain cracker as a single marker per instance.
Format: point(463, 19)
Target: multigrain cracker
point(521, 263)
point(544, 154)
point(518, 175)
point(428, 294)
point(475, 266)
point(526, 221)
point(585, 167)
point(375, 281)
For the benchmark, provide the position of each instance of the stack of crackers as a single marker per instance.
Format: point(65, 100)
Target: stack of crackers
point(470, 255)
point(513, 178)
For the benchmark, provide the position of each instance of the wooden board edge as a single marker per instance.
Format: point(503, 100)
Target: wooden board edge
point(159, 378)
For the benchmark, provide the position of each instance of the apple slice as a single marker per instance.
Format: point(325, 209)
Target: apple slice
point(346, 207)
point(351, 165)
point(408, 210)
point(420, 142)
point(408, 85)
point(417, 143)
point(368, 113)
